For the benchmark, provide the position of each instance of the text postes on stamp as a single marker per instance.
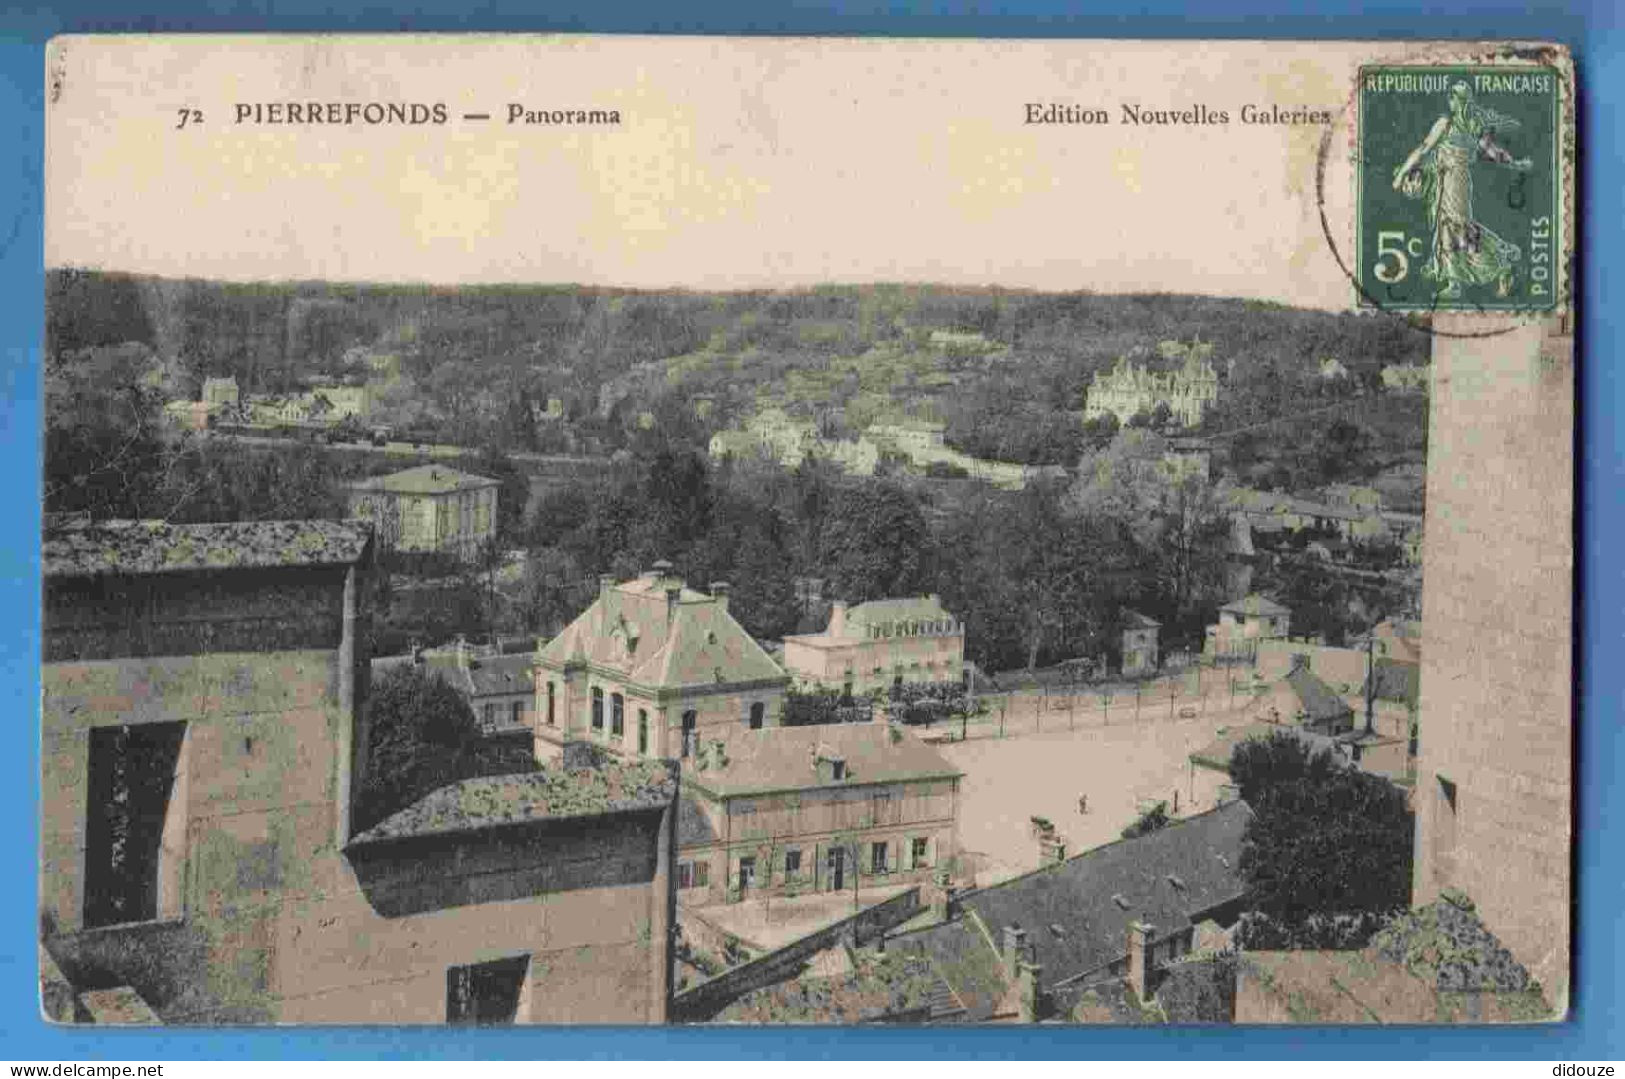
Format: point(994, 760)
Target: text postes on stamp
point(1460, 182)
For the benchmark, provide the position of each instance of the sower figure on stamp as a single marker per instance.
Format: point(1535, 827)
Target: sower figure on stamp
point(1464, 252)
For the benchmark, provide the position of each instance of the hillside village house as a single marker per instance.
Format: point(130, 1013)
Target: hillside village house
point(879, 644)
point(203, 734)
point(430, 509)
point(1139, 644)
point(220, 392)
point(1243, 623)
point(824, 809)
point(651, 668)
point(500, 688)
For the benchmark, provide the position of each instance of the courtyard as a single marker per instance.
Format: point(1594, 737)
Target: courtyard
point(1117, 767)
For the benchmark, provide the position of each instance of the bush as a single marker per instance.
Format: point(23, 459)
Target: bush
point(420, 736)
point(1152, 820)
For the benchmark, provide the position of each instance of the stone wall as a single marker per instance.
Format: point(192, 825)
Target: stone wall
point(277, 923)
point(705, 1000)
point(1497, 690)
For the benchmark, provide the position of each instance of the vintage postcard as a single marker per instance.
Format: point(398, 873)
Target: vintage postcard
point(689, 530)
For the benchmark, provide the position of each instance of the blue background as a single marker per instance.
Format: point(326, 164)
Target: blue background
point(1592, 30)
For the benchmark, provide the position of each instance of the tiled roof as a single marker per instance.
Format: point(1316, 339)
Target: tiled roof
point(1216, 754)
point(785, 758)
point(1317, 702)
point(614, 786)
point(493, 676)
point(693, 826)
point(633, 630)
point(908, 609)
point(424, 480)
point(1136, 620)
point(1076, 915)
point(1255, 605)
point(1396, 680)
point(140, 547)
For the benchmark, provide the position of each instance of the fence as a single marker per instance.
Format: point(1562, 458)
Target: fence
point(705, 1000)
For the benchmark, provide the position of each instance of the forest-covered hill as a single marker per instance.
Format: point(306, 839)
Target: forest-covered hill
point(1004, 369)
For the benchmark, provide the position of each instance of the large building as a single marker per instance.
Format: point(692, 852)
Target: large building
point(430, 509)
point(203, 737)
point(879, 644)
point(652, 667)
point(1495, 782)
point(827, 808)
point(1129, 389)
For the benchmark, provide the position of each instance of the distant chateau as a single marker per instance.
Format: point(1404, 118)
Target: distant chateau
point(1129, 389)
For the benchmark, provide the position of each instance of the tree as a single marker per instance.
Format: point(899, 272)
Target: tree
point(105, 451)
point(1323, 840)
point(1259, 764)
point(420, 735)
point(872, 542)
point(1339, 846)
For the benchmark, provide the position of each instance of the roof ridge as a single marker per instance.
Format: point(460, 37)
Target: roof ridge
point(1119, 841)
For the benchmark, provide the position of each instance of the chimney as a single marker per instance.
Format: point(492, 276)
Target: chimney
point(674, 596)
point(1013, 952)
point(606, 581)
point(941, 893)
point(719, 593)
point(837, 618)
point(1139, 959)
point(1027, 991)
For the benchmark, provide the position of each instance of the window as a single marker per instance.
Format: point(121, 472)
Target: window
point(550, 692)
point(490, 713)
point(690, 735)
point(617, 715)
point(1444, 819)
point(702, 874)
point(685, 875)
point(756, 711)
point(837, 769)
point(919, 852)
point(643, 731)
point(135, 826)
point(744, 809)
point(877, 857)
point(486, 994)
point(747, 873)
point(792, 864)
point(516, 713)
point(597, 709)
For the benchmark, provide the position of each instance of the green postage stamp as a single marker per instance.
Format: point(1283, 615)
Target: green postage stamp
point(1460, 181)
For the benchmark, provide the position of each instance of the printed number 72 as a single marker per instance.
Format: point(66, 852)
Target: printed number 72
point(1399, 247)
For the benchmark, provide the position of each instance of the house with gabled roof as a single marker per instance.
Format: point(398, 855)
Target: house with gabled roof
point(428, 509)
point(878, 645)
point(652, 668)
point(828, 808)
point(1112, 922)
point(1243, 623)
